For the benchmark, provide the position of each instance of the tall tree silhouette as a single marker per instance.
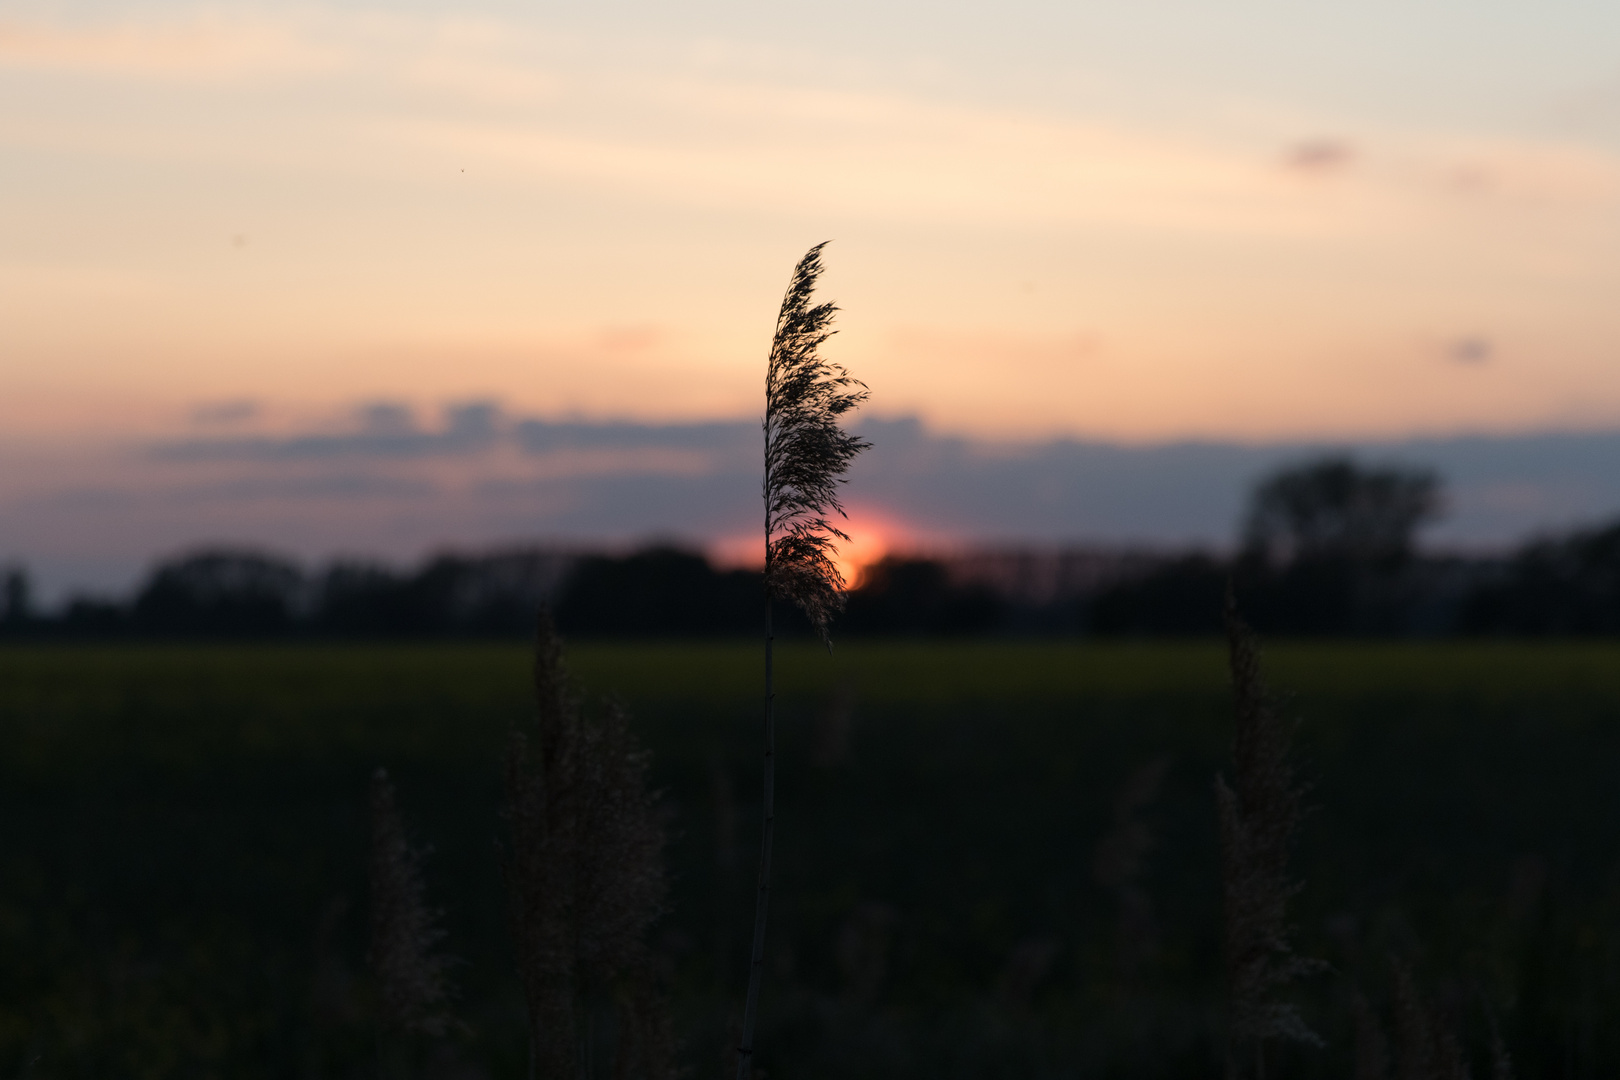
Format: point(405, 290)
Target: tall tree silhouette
point(1336, 509)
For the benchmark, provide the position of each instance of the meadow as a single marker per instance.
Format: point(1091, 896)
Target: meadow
point(182, 869)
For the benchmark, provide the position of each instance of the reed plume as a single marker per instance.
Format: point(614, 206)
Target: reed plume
point(585, 875)
point(413, 988)
point(1259, 815)
point(806, 456)
point(806, 452)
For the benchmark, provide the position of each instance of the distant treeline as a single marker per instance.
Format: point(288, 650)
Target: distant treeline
point(1327, 549)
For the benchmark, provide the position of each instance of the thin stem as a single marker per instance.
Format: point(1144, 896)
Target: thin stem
point(756, 963)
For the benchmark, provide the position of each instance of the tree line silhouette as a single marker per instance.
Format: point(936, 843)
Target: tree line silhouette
point(1327, 548)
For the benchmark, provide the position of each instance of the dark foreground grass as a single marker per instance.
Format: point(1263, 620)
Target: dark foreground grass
point(183, 851)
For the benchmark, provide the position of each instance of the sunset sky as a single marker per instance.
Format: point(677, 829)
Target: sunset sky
point(1139, 223)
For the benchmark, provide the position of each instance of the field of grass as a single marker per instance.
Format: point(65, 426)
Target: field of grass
point(183, 838)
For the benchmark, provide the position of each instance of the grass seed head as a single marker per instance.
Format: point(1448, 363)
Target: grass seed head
point(412, 975)
point(806, 452)
point(1259, 813)
point(584, 870)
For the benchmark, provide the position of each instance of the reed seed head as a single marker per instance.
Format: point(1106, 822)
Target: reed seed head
point(806, 452)
point(1259, 814)
point(412, 984)
point(1120, 860)
point(584, 870)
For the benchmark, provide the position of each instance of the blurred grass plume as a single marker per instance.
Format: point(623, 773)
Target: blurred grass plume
point(585, 876)
point(1259, 814)
point(413, 987)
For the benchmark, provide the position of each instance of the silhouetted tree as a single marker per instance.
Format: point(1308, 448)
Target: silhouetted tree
point(229, 593)
point(365, 599)
point(491, 595)
point(917, 596)
point(1182, 597)
point(658, 592)
point(89, 617)
point(1337, 509)
point(16, 600)
point(1326, 545)
point(1559, 585)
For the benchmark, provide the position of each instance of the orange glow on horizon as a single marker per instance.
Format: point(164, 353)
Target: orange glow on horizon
point(871, 537)
point(873, 534)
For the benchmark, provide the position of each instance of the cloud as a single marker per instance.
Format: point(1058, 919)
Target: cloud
point(730, 439)
point(386, 431)
point(1319, 157)
point(310, 490)
point(1470, 350)
point(742, 146)
point(649, 477)
point(207, 46)
point(511, 100)
point(377, 430)
point(226, 413)
point(394, 485)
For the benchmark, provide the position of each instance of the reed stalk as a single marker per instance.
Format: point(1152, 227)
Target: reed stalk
point(806, 456)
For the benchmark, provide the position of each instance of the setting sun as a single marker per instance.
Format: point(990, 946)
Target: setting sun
point(872, 535)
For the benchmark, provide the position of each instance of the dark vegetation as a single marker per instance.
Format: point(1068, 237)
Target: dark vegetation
point(1328, 549)
point(997, 859)
point(1259, 812)
point(584, 872)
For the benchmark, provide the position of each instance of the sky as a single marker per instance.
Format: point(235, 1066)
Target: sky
point(1251, 223)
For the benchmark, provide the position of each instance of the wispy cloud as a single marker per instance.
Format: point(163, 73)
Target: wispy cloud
point(205, 46)
point(376, 430)
point(384, 431)
point(1320, 157)
point(700, 135)
point(1470, 349)
point(225, 413)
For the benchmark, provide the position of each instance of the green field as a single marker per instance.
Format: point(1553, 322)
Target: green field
point(182, 874)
